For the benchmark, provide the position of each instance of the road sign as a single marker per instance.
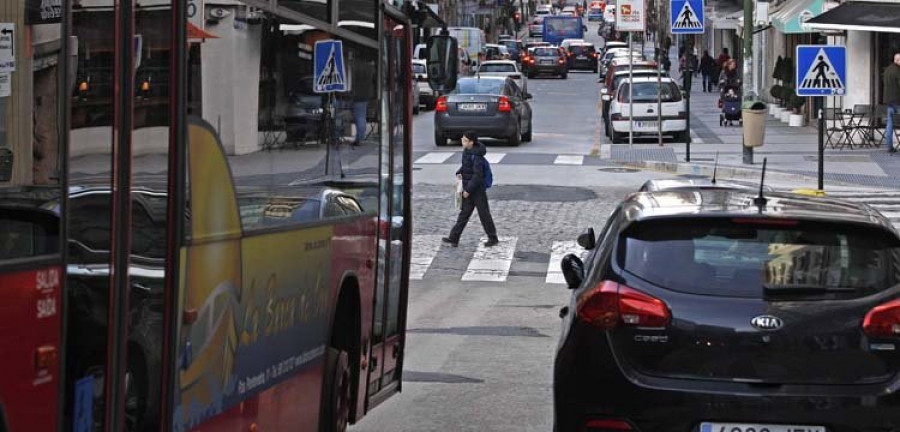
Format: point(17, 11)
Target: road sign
point(7, 47)
point(687, 16)
point(330, 74)
point(821, 70)
point(630, 15)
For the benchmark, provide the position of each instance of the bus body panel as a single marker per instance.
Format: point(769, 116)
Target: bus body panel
point(30, 321)
point(559, 28)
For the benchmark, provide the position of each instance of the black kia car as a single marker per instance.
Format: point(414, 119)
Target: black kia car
point(716, 311)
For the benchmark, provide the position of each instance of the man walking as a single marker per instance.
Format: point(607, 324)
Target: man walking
point(891, 98)
point(707, 69)
point(474, 192)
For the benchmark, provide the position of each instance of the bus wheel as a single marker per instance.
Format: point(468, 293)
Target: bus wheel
point(337, 391)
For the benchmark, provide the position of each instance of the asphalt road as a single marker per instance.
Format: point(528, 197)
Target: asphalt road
point(483, 325)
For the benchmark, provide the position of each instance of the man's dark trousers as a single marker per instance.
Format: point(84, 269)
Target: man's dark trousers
point(477, 200)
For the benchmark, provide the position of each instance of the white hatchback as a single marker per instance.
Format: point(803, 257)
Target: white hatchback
point(645, 106)
point(504, 68)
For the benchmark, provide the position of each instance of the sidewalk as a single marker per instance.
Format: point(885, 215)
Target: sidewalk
point(792, 152)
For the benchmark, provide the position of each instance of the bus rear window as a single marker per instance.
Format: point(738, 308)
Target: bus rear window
point(729, 259)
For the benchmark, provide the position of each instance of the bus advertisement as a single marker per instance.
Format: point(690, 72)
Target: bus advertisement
point(193, 238)
point(558, 28)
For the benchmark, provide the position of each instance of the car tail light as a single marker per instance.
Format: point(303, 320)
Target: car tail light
point(682, 115)
point(562, 61)
point(883, 321)
point(615, 117)
point(594, 55)
point(610, 304)
point(504, 106)
point(441, 104)
point(607, 425)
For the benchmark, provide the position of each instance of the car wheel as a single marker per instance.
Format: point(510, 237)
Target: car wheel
point(681, 137)
point(439, 140)
point(416, 110)
point(336, 395)
point(526, 137)
point(564, 75)
point(516, 138)
point(617, 137)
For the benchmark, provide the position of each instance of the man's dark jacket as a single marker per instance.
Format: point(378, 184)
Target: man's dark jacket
point(472, 168)
point(892, 85)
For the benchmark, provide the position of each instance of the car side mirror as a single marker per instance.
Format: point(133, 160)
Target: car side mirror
point(573, 270)
point(587, 239)
point(606, 97)
point(442, 62)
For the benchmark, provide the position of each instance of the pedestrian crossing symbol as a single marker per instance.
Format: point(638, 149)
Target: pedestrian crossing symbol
point(821, 70)
point(330, 74)
point(687, 16)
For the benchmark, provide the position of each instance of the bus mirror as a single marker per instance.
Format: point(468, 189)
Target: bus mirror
point(442, 63)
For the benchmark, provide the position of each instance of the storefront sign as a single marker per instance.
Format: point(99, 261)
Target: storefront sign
point(195, 12)
point(7, 47)
point(5, 85)
point(43, 12)
point(631, 15)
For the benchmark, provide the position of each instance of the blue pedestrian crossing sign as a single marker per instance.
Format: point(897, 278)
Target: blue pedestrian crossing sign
point(330, 74)
point(821, 70)
point(687, 17)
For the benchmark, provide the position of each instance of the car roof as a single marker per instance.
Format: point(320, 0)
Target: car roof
point(700, 203)
point(485, 77)
point(582, 43)
point(652, 79)
point(420, 61)
point(699, 183)
point(505, 62)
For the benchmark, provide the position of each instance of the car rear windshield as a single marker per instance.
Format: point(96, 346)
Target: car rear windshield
point(581, 49)
point(478, 86)
point(748, 258)
point(546, 52)
point(595, 11)
point(497, 68)
point(417, 68)
point(649, 90)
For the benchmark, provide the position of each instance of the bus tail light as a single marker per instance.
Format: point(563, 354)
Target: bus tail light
point(598, 425)
point(441, 104)
point(610, 304)
point(505, 105)
point(883, 321)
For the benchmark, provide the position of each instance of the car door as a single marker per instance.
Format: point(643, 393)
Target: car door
point(523, 108)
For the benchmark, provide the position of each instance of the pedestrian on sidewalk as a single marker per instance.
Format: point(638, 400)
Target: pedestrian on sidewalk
point(707, 70)
point(891, 98)
point(723, 59)
point(474, 196)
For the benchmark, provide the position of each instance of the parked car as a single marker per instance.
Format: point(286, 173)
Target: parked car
point(515, 47)
point(582, 56)
point(546, 60)
point(491, 106)
point(606, 93)
point(496, 52)
point(504, 68)
point(569, 10)
point(711, 310)
point(426, 93)
point(645, 92)
point(536, 26)
point(419, 52)
point(614, 53)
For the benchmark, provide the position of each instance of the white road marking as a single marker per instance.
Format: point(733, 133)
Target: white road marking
point(495, 158)
point(435, 158)
point(569, 160)
point(491, 264)
point(424, 249)
point(558, 250)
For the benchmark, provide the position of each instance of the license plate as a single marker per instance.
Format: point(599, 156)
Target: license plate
point(744, 427)
point(472, 107)
point(546, 62)
point(582, 57)
point(646, 124)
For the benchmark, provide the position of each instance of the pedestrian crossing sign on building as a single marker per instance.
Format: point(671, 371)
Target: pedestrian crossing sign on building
point(687, 16)
point(330, 75)
point(821, 70)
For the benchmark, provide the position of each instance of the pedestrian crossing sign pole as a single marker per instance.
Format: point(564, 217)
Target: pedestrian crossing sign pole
point(687, 17)
point(330, 74)
point(821, 70)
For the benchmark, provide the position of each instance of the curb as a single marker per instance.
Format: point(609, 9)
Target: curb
point(724, 171)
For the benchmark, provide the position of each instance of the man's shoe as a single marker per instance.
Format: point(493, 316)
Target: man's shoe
point(491, 242)
point(449, 242)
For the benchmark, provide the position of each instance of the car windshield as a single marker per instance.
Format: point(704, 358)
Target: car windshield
point(546, 52)
point(648, 91)
point(743, 258)
point(510, 45)
point(596, 11)
point(581, 49)
point(478, 86)
point(497, 67)
point(418, 68)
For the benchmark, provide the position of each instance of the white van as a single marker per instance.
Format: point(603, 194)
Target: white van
point(470, 39)
point(420, 52)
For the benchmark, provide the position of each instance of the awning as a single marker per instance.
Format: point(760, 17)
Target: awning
point(195, 32)
point(793, 18)
point(864, 16)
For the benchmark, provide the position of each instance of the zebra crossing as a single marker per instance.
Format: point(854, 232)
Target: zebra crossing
point(453, 157)
point(485, 264)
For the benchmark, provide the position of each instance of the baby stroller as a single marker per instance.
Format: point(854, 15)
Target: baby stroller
point(730, 103)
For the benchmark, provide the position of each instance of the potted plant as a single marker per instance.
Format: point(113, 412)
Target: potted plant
point(796, 104)
point(776, 89)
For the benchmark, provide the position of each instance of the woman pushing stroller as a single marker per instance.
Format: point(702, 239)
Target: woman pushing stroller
point(730, 94)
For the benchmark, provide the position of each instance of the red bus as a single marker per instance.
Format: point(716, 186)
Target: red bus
point(192, 235)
